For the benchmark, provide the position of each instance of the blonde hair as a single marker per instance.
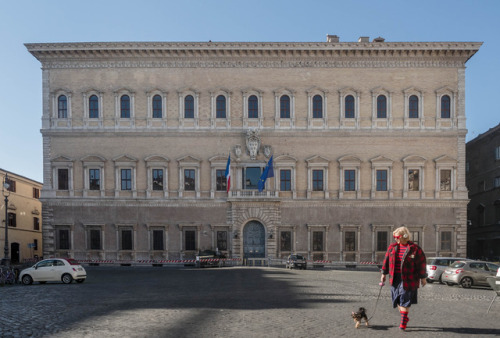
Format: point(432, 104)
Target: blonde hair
point(403, 231)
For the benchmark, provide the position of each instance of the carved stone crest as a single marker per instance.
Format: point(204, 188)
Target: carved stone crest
point(253, 143)
point(267, 151)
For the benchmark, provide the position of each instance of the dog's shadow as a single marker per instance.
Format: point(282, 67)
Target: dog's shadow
point(379, 327)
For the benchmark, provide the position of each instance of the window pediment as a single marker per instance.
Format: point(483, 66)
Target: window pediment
point(380, 90)
point(411, 90)
point(348, 90)
point(445, 159)
point(123, 90)
point(124, 158)
point(285, 159)
point(93, 158)
point(414, 160)
point(156, 158)
point(317, 159)
point(218, 159)
point(445, 90)
point(382, 160)
point(315, 89)
point(188, 160)
point(252, 90)
point(62, 158)
point(349, 160)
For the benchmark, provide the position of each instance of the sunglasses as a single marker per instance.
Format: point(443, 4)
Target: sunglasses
point(397, 237)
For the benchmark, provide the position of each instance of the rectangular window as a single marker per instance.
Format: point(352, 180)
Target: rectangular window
point(95, 239)
point(415, 237)
point(36, 223)
point(286, 241)
point(349, 180)
point(189, 240)
point(126, 240)
point(126, 179)
point(189, 181)
point(158, 240)
point(446, 241)
point(62, 179)
point(285, 180)
point(317, 180)
point(12, 219)
point(94, 179)
point(445, 180)
point(497, 153)
point(497, 182)
point(222, 240)
point(63, 239)
point(251, 176)
point(413, 180)
point(36, 193)
point(480, 186)
point(220, 180)
point(317, 240)
point(11, 183)
point(350, 241)
point(382, 241)
point(35, 244)
point(157, 176)
point(381, 180)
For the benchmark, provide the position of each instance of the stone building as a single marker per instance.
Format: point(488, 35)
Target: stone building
point(483, 182)
point(24, 214)
point(365, 137)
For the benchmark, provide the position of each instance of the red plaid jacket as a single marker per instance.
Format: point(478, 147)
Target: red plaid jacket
point(413, 265)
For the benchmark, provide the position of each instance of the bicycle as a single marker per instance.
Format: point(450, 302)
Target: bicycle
point(7, 276)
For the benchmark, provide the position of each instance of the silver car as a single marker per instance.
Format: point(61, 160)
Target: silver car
point(437, 265)
point(469, 273)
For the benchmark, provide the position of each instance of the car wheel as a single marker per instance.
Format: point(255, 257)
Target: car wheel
point(466, 282)
point(27, 280)
point(66, 278)
point(449, 284)
point(430, 281)
point(80, 280)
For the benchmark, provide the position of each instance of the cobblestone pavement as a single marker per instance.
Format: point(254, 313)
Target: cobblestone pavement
point(236, 302)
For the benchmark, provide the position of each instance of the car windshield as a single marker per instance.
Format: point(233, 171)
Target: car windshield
point(72, 261)
point(458, 265)
point(299, 257)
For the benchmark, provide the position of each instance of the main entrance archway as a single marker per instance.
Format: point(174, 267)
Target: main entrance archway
point(254, 240)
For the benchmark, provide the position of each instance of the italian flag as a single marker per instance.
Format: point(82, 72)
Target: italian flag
point(228, 173)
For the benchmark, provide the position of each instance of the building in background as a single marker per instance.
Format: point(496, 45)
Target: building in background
point(365, 137)
point(483, 181)
point(24, 217)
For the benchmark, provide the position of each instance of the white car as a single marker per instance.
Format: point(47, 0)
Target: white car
point(54, 270)
point(498, 272)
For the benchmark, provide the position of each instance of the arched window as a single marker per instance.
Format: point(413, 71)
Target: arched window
point(445, 107)
point(62, 107)
point(349, 107)
point(220, 110)
point(93, 107)
point(253, 107)
point(189, 107)
point(285, 107)
point(381, 107)
point(125, 107)
point(317, 107)
point(413, 107)
point(157, 107)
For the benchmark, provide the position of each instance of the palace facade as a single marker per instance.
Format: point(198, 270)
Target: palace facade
point(365, 137)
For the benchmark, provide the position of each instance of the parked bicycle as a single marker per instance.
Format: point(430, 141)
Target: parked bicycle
point(7, 276)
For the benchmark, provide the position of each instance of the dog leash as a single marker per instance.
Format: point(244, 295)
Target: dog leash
point(378, 297)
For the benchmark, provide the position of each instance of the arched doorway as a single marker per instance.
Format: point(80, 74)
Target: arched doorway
point(254, 240)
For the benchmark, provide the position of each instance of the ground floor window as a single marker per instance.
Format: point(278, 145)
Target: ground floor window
point(382, 240)
point(62, 239)
point(318, 243)
point(126, 240)
point(350, 241)
point(158, 240)
point(446, 241)
point(189, 240)
point(286, 241)
point(95, 239)
point(222, 240)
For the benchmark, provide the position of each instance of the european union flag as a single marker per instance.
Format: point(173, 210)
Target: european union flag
point(268, 172)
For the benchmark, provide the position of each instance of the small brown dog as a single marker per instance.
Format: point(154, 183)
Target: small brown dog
point(358, 316)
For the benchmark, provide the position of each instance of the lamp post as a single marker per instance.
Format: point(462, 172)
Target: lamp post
point(6, 193)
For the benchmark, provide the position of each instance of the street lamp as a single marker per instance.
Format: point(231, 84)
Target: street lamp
point(6, 193)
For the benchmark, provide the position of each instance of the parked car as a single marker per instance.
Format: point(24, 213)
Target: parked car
point(296, 261)
point(437, 265)
point(54, 270)
point(469, 273)
point(209, 258)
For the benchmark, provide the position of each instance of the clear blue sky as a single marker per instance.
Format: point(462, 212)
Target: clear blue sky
point(23, 21)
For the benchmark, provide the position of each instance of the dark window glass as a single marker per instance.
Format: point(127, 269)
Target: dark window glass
point(382, 240)
point(413, 107)
point(35, 244)
point(63, 239)
point(317, 180)
point(95, 239)
point(445, 107)
point(189, 180)
point(36, 223)
point(286, 241)
point(317, 107)
point(189, 237)
point(349, 107)
point(381, 107)
point(349, 180)
point(126, 240)
point(62, 179)
point(126, 179)
point(350, 241)
point(413, 180)
point(36, 193)
point(157, 107)
point(446, 241)
point(285, 107)
point(11, 183)
point(94, 179)
point(381, 180)
point(220, 180)
point(222, 240)
point(285, 180)
point(415, 237)
point(125, 107)
point(157, 175)
point(253, 107)
point(158, 240)
point(189, 107)
point(317, 240)
point(12, 219)
point(220, 111)
point(251, 176)
point(62, 107)
point(93, 107)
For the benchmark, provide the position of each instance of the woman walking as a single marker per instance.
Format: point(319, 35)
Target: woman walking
point(405, 263)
